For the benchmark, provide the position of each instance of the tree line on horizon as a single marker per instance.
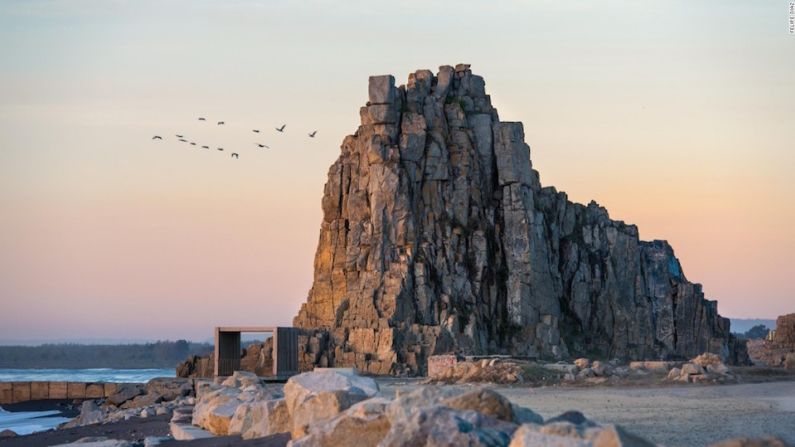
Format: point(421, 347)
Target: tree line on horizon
point(160, 354)
point(757, 332)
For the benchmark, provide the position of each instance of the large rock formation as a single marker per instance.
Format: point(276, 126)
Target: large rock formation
point(784, 334)
point(779, 348)
point(437, 236)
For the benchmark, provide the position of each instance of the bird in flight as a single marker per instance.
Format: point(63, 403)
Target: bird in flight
point(192, 143)
point(234, 155)
point(220, 148)
point(221, 123)
point(312, 135)
point(202, 119)
point(180, 136)
point(281, 129)
point(183, 140)
point(255, 130)
point(157, 137)
point(262, 145)
point(205, 147)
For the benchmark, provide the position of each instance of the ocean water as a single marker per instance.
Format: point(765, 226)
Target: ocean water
point(84, 375)
point(27, 422)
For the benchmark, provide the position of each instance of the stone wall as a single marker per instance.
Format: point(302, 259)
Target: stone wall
point(438, 237)
point(13, 392)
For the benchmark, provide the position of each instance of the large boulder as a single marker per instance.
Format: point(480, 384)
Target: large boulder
point(181, 431)
point(143, 400)
point(214, 411)
point(406, 402)
point(442, 426)
point(691, 369)
point(601, 369)
point(242, 379)
point(196, 366)
point(674, 374)
point(125, 392)
point(90, 413)
point(711, 363)
point(319, 395)
point(568, 434)
point(204, 386)
point(363, 424)
point(582, 363)
point(170, 388)
point(483, 400)
point(260, 418)
point(522, 415)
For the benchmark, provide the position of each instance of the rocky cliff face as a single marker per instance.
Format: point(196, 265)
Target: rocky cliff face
point(779, 349)
point(785, 331)
point(437, 236)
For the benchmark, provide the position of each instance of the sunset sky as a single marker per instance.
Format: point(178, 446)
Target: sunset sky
point(677, 116)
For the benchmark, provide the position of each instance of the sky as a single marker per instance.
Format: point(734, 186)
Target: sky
point(677, 116)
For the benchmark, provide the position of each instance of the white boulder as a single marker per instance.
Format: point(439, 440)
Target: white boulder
point(315, 396)
point(260, 418)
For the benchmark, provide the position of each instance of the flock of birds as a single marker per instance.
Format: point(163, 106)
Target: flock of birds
point(182, 138)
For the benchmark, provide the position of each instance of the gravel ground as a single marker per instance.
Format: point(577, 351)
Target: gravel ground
point(136, 430)
point(675, 416)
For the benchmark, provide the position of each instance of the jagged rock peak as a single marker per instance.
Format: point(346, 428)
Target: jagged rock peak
point(438, 237)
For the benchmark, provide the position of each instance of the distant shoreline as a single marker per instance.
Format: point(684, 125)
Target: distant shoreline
point(161, 354)
point(87, 375)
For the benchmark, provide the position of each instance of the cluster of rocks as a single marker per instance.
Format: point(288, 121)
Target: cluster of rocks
point(341, 408)
point(706, 367)
point(594, 372)
point(255, 357)
point(160, 396)
point(779, 349)
point(240, 405)
point(494, 370)
point(337, 407)
point(437, 237)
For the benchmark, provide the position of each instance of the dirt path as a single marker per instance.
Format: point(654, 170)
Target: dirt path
point(676, 416)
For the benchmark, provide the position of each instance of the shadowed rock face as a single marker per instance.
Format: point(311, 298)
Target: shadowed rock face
point(437, 236)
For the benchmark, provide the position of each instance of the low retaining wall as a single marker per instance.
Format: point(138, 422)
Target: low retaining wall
point(13, 392)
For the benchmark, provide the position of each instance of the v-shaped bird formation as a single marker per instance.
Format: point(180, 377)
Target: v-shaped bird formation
point(235, 155)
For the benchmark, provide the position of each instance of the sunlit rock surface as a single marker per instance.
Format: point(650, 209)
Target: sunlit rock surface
point(437, 236)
